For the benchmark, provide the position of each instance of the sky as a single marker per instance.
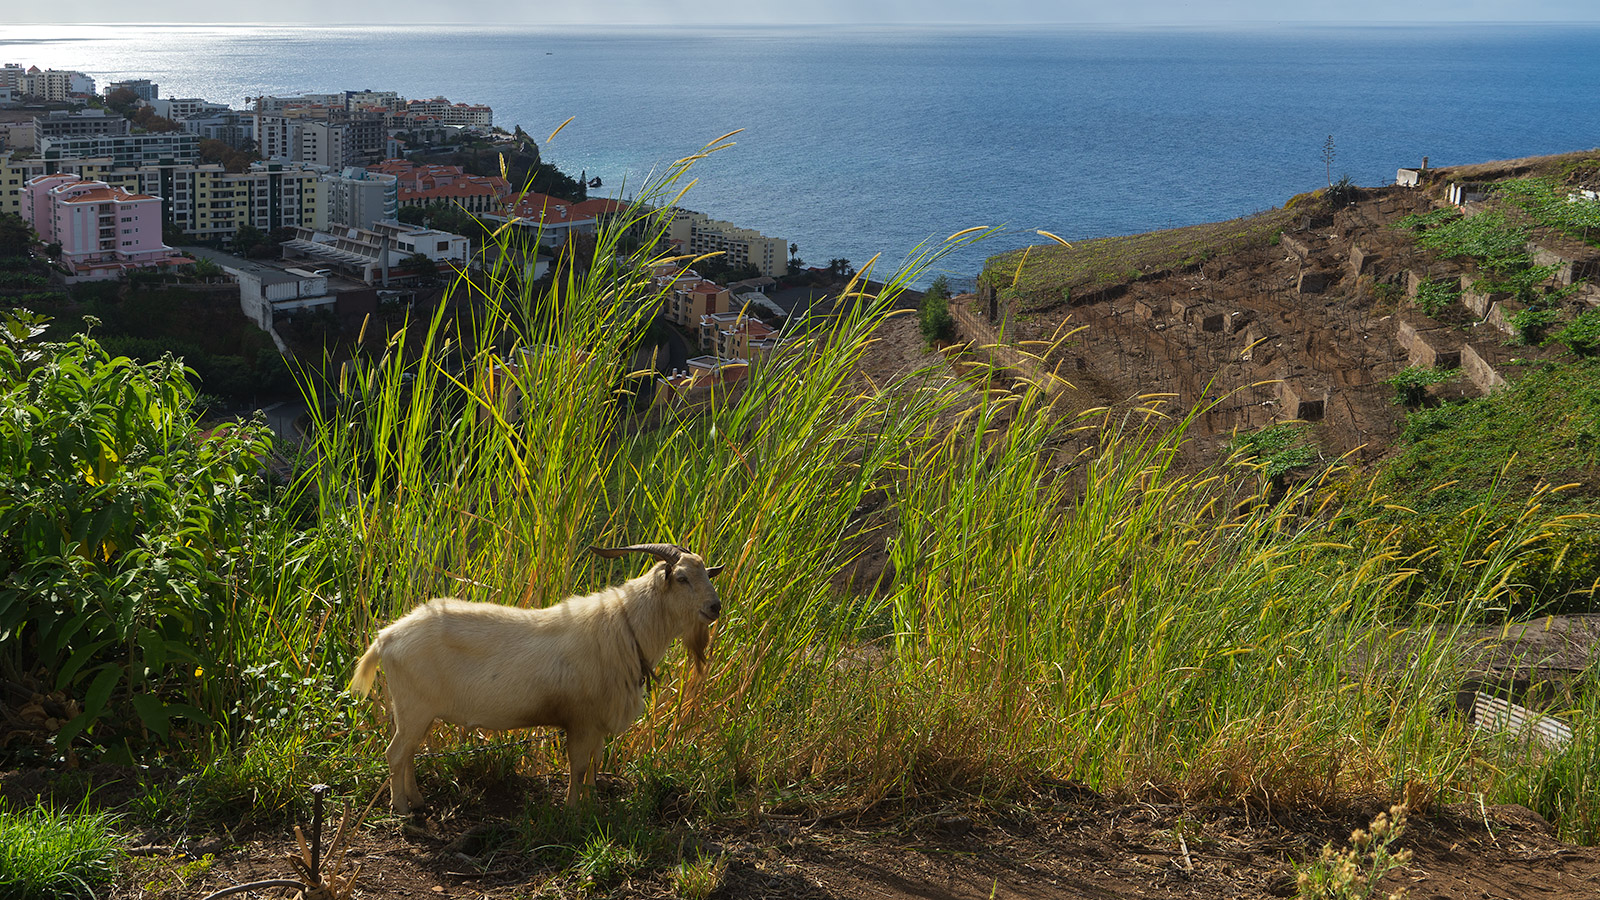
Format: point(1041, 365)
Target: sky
point(780, 12)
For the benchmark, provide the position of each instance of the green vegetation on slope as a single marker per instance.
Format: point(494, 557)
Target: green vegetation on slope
point(1104, 618)
point(1056, 271)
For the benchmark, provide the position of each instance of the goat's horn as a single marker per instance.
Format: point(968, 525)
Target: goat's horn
point(667, 553)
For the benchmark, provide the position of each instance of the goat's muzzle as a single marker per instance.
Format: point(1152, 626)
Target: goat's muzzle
point(711, 611)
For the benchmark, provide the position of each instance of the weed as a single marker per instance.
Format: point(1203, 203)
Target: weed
point(1354, 873)
point(698, 879)
point(46, 854)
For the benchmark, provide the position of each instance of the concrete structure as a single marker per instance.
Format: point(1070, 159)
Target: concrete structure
point(15, 172)
point(229, 126)
point(185, 107)
point(18, 136)
point(65, 124)
point(447, 113)
point(553, 220)
point(212, 203)
point(55, 86)
point(357, 198)
point(420, 185)
point(689, 298)
point(170, 148)
point(373, 254)
point(696, 234)
point(736, 335)
point(102, 230)
point(143, 88)
point(267, 292)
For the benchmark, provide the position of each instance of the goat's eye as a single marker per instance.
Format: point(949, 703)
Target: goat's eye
point(683, 579)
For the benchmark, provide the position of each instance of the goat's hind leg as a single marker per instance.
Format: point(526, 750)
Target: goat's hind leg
point(404, 795)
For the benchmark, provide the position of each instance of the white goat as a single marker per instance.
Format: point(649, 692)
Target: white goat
point(583, 665)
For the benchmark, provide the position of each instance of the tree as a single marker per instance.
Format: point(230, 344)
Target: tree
point(247, 238)
point(215, 151)
point(420, 265)
point(16, 235)
point(1327, 157)
point(934, 312)
point(123, 101)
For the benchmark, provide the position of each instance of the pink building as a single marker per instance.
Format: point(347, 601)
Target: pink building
point(102, 230)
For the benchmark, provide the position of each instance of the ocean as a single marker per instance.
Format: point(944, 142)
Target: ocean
point(861, 141)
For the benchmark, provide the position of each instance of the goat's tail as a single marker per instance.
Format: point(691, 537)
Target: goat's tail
point(366, 671)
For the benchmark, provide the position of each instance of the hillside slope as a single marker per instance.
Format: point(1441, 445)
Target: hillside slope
point(1296, 313)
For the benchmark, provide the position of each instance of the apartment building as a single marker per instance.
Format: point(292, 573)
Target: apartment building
point(357, 198)
point(185, 107)
point(15, 172)
point(17, 135)
point(690, 298)
point(696, 233)
point(229, 126)
point(420, 185)
point(102, 230)
point(448, 113)
point(79, 123)
point(143, 88)
point(359, 100)
point(212, 203)
point(54, 85)
point(171, 148)
point(737, 335)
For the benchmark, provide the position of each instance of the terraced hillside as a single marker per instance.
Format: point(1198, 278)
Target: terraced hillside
point(1304, 312)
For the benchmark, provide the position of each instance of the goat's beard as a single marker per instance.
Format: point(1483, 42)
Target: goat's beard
point(698, 642)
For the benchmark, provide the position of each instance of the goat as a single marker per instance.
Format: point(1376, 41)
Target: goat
point(584, 665)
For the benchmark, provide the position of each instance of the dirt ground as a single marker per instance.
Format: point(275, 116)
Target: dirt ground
point(1066, 842)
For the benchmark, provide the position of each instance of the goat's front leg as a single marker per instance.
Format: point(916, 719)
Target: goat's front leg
point(583, 757)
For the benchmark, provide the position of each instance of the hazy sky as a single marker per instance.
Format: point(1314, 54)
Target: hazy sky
point(766, 12)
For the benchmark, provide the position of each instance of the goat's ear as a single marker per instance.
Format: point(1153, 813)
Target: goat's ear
point(711, 572)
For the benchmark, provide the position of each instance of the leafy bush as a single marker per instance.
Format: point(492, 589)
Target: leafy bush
point(937, 323)
point(1531, 324)
point(1411, 383)
point(1276, 449)
point(1488, 236)
point(1433, 297)
point(1433, 219)
point(1583, 335)
point(119, 523)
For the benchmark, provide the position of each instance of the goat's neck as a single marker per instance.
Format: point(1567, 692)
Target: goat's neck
point(648, 621)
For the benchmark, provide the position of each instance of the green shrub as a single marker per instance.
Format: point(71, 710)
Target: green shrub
point(1433, 297)
point(1531, 324)
point(1276, 449)
point(1582, 336)
point(45, 854)
point(1411, 383)
point(119, 525)
point(934, 310)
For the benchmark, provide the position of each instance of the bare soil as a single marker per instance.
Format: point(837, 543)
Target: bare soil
point(1065, 842)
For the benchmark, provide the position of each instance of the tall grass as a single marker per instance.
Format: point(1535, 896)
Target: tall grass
point(1098, 616)
point(46, 854)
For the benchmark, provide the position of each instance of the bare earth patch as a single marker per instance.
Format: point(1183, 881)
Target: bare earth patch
point(1067, 842)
